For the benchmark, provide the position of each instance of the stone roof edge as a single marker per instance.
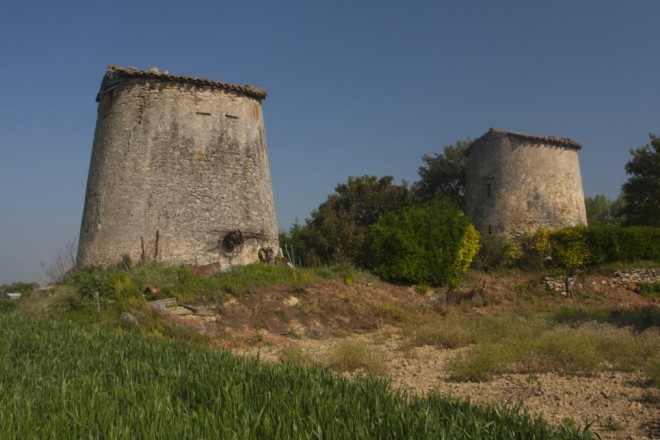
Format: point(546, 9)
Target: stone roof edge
point(114, 72)
point(564, 142)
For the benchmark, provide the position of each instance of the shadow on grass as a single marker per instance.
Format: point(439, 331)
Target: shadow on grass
point(640, 318)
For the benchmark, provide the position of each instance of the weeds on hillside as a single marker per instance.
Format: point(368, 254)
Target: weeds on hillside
point(481, 363)
point(456, 330)
point(650, 290)
point(352, 354)
point(582, 350)
point(294, 355)
point(640, 318)
point(652, 369)
point(62, 379)
point(124, 291)
point(510, 343)
point(122, 287)
point(401, 314)
point(446, 333)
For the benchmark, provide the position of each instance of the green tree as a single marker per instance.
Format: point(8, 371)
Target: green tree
point(24, 288)
point(294, 244)
point(338, 228)
point(443, 175)
point(641, 193)
point(601, 211)
point(431, 244)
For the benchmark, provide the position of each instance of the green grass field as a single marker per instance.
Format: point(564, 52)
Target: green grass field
point(60, 379)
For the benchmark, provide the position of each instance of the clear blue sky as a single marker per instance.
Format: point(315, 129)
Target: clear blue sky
point(355, 87)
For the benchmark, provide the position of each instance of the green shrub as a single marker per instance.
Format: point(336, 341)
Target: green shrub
point(569, 247)
point(614, 244)
point(494, 253)
point(605, 244)
point(90, 279)
point(64, 300)
point(429, 244)
point(581, 246)
point(337, 229)
point(124, 286)
point(649, 290)
point(535, 249)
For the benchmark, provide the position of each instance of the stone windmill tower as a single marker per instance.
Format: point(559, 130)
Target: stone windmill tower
point(179, 173)
point(517, 183)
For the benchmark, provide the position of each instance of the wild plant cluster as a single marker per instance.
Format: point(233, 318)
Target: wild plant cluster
point(569, 341)
point(124, 284)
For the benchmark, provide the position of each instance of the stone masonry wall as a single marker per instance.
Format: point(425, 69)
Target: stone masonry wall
point(179, 173)
point(517, 184)
point(624, 279)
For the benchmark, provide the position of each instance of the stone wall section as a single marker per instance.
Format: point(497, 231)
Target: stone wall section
point(517, 183)
point(179, 173)
point(625, 279)
point(630, 278)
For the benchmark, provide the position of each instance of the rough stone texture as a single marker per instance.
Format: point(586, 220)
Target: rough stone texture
point(162, 305)
point(624, 279)
point(517, 183)
point(630, 278)
point(179, 173)
point(560, 284)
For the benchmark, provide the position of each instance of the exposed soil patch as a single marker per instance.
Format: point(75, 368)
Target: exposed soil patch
point(618, 405)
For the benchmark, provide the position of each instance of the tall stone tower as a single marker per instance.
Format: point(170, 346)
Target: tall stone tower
point(179, 173)
point(517, 183)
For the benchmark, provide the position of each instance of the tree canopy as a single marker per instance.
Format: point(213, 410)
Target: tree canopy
point(20, 287)
point(641, 193)
point(601, 211)
point(443, 175)
point(337, 229)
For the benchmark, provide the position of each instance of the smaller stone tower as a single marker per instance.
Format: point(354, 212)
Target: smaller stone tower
point(517, 183)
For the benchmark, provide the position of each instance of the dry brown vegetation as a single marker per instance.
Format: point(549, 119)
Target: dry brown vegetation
point(590, 358)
